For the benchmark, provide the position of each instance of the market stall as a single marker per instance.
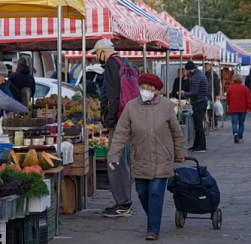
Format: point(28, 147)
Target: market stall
point(69, 8)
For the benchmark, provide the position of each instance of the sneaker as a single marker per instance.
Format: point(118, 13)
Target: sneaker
point(200, 150)
point(118, 211)
point(190, 148)
point(111, 208)
point(236, 140)
point(151, 236)
point(241, 140)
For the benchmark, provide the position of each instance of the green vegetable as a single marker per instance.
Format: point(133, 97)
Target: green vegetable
point(36, 189)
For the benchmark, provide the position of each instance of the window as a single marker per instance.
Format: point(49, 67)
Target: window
point(41, 91)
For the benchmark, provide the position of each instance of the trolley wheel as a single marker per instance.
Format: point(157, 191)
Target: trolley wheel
point(180, 218)
point(217, 219)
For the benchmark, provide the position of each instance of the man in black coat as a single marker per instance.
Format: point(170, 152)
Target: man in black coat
point(22, 77)
point(198, 96)
point(213, 80)
point(248, 81)
point(55, 74)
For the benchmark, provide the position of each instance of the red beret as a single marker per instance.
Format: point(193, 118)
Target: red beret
point(152, 79)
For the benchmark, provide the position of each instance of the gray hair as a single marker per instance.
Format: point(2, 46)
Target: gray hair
point(237, 78)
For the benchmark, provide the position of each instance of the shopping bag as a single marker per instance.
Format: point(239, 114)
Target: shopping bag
point(218, 108)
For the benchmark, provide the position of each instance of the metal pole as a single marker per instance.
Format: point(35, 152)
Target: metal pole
point(199, 12)
point(144, 58)
point(180, 84)
point(84, 102)
point(59, 52)
point(32, 72)
point(167, 73)
point(203, 64)
point(212, 95)
point(221, 92)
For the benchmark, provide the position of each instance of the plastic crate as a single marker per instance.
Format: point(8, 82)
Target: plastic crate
point(47, 225)
point(4, 215)
point(101, 152)
point(15, 231)
point(3, 233)
point(12, 206)
point(31, 229)
point(5, 145)
point(21, 206)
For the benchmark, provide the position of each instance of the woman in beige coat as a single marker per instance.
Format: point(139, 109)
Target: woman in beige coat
point(150, 124)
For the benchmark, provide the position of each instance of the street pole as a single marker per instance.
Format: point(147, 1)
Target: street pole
point(199, 12)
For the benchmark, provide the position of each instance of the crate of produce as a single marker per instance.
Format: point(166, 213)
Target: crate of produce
point(12, 206)
point(4, 215)
point(39, 204)
point(21, 206)
point(101, 152)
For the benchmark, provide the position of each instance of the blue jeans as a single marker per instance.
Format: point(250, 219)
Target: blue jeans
point(238, 118)
point(151, 194)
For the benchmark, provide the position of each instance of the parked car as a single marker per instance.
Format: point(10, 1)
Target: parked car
point(45, 87)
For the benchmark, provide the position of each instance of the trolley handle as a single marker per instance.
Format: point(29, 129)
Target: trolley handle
point(197, 164)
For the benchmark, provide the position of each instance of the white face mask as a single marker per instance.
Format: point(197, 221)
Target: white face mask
point(146, 95)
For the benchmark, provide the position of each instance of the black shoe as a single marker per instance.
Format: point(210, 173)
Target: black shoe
point(190, 148)
point(200, 150)
point(118, 211)
point(111, 208)
point(236, 139)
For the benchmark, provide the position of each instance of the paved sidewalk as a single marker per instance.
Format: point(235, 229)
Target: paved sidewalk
point(229, 163)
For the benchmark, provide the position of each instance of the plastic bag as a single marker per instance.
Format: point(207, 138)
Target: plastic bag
point(218, 108)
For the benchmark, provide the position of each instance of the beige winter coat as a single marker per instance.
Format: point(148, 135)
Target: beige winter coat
point(155, 138)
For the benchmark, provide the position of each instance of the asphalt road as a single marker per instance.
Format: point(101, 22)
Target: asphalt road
point(229, 163)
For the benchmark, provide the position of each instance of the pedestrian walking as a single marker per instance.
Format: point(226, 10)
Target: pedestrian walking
point(112, 105)
point(150, 124)
point(198, 96)
point(239, 102)
point(213, 94)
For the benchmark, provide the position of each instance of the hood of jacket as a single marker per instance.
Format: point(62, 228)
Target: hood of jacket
point(24, 69)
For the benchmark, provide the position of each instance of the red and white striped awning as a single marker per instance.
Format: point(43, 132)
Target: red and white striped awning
point(192, 45)
point(104, 19)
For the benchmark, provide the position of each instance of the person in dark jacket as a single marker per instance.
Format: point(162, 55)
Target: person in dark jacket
point(248, 81)
point(185, 85)
point(198, 96)
point(119, 179)
point(213, 80)
point(6, 97)
point(22, 77)
point(55, 74)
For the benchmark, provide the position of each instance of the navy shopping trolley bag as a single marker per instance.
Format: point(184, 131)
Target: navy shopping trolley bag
point(195, 191)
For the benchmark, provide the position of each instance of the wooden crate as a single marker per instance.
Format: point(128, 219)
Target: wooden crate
point(80, 166)
point(92, 187)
